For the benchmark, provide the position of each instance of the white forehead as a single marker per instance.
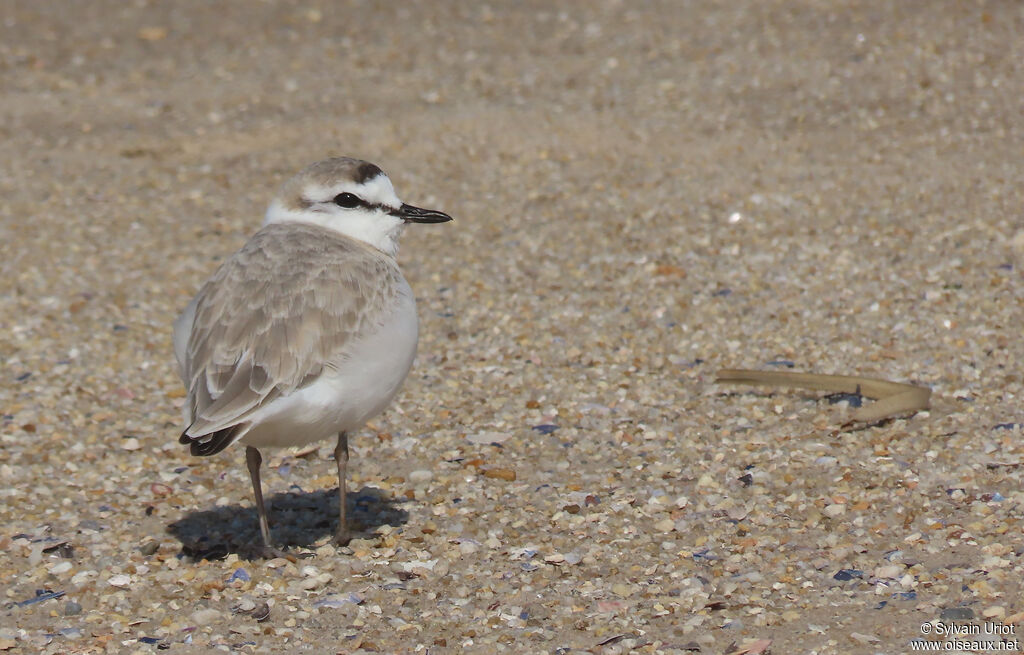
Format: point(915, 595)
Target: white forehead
point(377, 190)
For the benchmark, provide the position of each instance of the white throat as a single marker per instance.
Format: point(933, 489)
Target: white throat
point(376, 228)
point(372, 225)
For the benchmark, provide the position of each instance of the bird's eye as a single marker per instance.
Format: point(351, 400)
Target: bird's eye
point(347, 200)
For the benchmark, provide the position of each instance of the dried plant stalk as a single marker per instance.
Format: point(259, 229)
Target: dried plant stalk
point(891, 398)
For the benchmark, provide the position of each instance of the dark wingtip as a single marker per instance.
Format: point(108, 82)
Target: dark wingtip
point(215, 442)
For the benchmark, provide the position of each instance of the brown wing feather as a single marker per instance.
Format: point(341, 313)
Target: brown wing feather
point(274, 314)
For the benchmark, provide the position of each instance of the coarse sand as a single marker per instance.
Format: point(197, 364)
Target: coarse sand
point(644, 193)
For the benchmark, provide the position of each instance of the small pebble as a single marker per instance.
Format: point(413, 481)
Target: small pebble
point(864, 639)
point(246, 605)
point(420, 477)
point(130, 444)
point(834, 510)
point(623, 590)
point(60, 567)
point(501, 474)
point(486, 438)
point(845, 575)
point(957, 614)
point(205, 616)
point(240, 575)
point(337, 601)
point(261, 613)
point(665, 525)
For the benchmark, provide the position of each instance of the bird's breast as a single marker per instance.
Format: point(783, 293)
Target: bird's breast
point(373, 366)
point(354, 387)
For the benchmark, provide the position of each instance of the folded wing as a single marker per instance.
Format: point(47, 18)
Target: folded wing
point(270, 319)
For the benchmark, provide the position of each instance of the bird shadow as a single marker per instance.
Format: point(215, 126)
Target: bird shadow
point(297, 520)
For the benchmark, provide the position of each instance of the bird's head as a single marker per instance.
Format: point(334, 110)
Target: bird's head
point(350, 196)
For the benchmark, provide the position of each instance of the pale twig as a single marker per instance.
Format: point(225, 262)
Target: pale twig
point(892, 398)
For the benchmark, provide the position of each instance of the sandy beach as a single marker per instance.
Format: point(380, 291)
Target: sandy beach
point(643, 194)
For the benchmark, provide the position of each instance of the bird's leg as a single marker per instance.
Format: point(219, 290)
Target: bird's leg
point(253, 460)
point(341, 458)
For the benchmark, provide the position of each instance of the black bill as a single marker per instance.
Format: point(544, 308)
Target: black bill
point(416, 215)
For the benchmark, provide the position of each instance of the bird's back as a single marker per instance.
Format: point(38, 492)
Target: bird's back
point(273, 316)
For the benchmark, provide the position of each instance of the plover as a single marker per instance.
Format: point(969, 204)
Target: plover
point(309, 330)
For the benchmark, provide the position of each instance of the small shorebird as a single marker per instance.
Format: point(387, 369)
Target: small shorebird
point(308, 331)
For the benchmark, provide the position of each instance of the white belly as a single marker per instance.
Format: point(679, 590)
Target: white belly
point(358, 387)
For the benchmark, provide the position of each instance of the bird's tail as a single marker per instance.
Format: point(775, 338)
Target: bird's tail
point(212, 443)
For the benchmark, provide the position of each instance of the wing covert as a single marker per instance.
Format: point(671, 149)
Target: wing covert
point(274, 314)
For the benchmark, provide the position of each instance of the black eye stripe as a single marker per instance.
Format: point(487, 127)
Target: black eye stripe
point(351, 201)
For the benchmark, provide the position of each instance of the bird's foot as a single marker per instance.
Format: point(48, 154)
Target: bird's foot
point(342, 537)
point(270, 552)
